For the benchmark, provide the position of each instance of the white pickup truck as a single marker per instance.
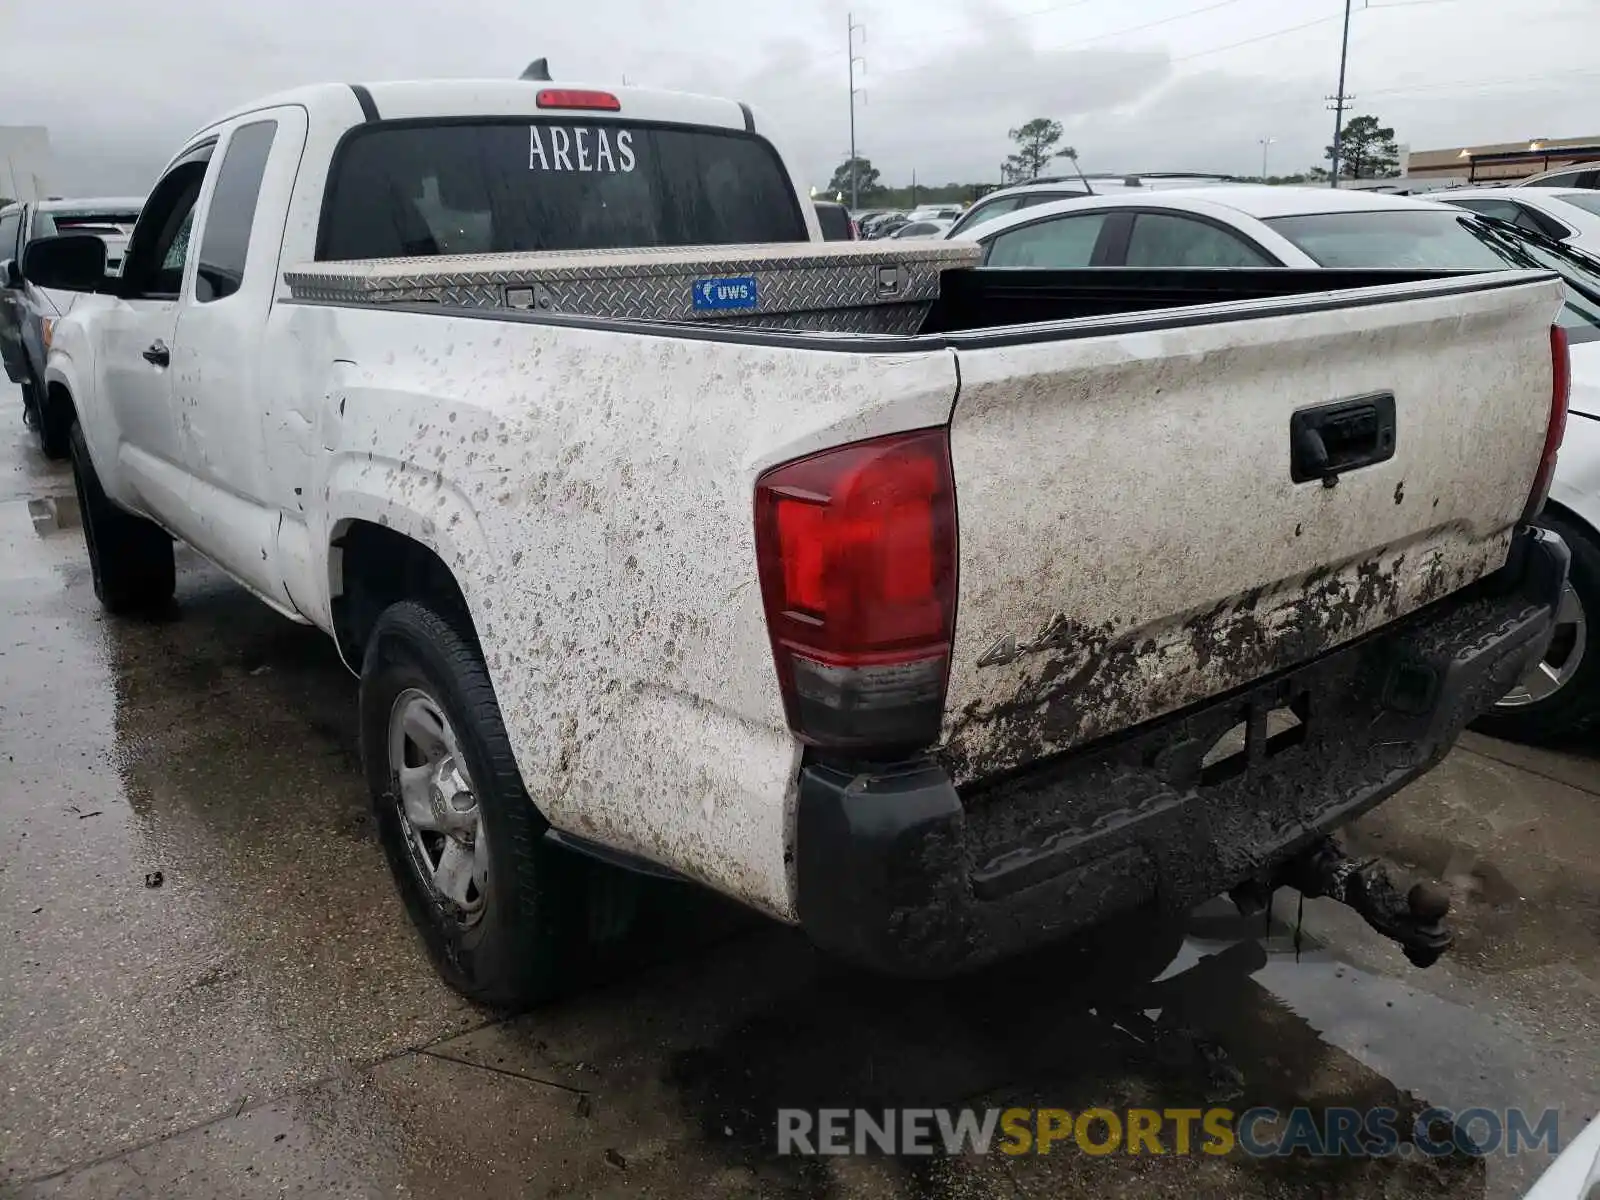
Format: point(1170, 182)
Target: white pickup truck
point(1077, 598)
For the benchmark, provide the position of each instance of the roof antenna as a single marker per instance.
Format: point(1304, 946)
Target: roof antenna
point(538, 70)
point(1073, 158)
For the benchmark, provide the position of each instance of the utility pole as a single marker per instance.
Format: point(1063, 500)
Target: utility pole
point(850, 52)
point(1341, 99)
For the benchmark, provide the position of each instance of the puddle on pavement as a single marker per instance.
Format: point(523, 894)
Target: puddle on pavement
point(274, 963)
point(1140, 1016)
point(218, 750)
point(275, 952)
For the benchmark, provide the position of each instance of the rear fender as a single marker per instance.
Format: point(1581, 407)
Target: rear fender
point(417, 504)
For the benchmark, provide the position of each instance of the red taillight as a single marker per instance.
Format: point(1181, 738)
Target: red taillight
point(855, 230)
point(1561, 394)
point(578, 98)
point(856, 549)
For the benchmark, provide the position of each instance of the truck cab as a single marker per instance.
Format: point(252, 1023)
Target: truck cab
point(387, 171)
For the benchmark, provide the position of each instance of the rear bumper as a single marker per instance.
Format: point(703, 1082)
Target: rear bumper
point(898, 870)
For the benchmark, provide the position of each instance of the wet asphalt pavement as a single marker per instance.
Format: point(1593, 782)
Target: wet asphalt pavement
point(208, 986)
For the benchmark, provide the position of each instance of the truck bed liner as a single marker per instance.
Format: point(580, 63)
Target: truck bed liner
point(836, 287)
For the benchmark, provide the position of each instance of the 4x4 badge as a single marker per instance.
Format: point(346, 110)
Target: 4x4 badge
point(1056, 633)
point(1002, 652)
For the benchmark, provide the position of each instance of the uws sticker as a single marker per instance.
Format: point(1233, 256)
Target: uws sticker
point(580, 148)
point(736, 292)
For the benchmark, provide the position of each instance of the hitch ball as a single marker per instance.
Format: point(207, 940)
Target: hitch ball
point(1428, 902)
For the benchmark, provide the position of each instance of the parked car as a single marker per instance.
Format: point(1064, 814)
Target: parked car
point(28, 314)
point(1002, 201)
point(1582, 175)
point(873, 226)
point(1240, 226)
point(1559, 697)
point(935, 212)
point(928, 227)
point(1300, 227)
point(1566, 214)
point(836, 222)
point(628, 581)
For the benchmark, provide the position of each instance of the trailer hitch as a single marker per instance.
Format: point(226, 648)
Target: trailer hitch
point(1415, 919)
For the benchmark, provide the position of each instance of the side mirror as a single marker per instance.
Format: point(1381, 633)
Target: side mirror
point(10, 274)
point(72, 263)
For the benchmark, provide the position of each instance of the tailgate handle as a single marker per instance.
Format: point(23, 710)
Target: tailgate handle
point(1329, 439)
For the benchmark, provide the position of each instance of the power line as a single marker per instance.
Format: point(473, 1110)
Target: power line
point(1260, 37)
point(965, 27)
point(1183, 16)
point(1249, 41)
point(1099, 37)
point(1475, 83)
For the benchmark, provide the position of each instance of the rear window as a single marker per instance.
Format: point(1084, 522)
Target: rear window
point(1589, 204)
point(981, 214)
point(1582, 177)
point(1430, 240)
point(403, 190)
point(1580, 316)
point(835, 222)
point(102, 223)
point(10, 225)
point(1056, 243)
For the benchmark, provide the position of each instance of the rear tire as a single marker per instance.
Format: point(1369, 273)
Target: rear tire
point(30, 404)
point(131, 557)
point(1575, 704)
point(507, 939)
point(55, 422)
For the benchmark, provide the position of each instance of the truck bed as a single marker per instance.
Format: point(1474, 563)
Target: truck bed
point(848, 290)
point(1131, 539)
point(991, 298)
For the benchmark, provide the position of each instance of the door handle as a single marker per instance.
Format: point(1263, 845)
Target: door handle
point(1346, 435)
point(158, 354)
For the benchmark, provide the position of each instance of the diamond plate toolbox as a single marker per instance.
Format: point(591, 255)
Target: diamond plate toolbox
point(837, 287)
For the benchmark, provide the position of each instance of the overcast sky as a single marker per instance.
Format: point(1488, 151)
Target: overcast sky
point(1138, 84)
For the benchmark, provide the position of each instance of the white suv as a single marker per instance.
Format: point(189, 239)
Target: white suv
point(1581, 175)
point(1066, 187)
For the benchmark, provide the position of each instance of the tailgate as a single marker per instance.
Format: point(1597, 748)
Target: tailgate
point(1132, 539)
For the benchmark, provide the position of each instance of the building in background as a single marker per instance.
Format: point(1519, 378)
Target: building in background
point(25, 162)
point(1502, 162)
